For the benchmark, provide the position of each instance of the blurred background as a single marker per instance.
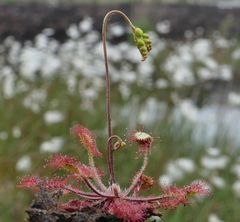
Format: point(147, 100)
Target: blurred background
point(186, 94)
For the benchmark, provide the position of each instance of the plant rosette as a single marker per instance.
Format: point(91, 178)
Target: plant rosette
point(94, 200)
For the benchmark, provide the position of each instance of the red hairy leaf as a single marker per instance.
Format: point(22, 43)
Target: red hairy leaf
point(60, 161)
point(76, 205)
point(72, 165)
point(173, 202)
point(197, 188)
point(129, 211)
point(87, 139)
point(54, 183)
point(176, 195)
point(87, 171)
point(29, 182)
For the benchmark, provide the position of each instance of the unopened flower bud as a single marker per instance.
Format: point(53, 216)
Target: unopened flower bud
point(138, 32)
point(146, 182)
point(143, 50)
point(140, 43)
point(145, 36)
point(119, 144)
point(147, 41)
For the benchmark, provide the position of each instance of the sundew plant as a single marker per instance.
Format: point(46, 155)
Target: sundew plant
point(126, 204)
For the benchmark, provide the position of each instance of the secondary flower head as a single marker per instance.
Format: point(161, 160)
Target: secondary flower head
point(144, 140)
point(87, 139)
point(119, 144)
point(146, 182)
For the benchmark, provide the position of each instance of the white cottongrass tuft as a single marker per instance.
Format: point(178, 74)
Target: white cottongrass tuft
point(202, 48)
point(189, 110)
point(86, 24)
point(236, 188)
point(236, 54)
point(225, 72)
point(214, 163)
point(53, 145)
point(162, 83)
point(234, 98)
point(174, 171)
point(165, 180)
point(151, 111)
point(34, 100)
point(116, 30)
point(214, 218)
point(53, 116)
point(213, 151)
point(9, 86)
point(163, 27)
point(186, 165)
point(236, 170)
point(16, 132)
point(155, 219)
point(217, 181)
point(3, 135)
point(24, 163)
point(31, 61)
point(73, 32)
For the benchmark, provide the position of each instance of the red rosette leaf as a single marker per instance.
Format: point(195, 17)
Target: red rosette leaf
point(177, 196)
point(197, 188)
point(87, 139)
point(29, 182)
point(128, 210)
point(76, 205)
point(60, 161)
point(87, 171)
point(54, 183)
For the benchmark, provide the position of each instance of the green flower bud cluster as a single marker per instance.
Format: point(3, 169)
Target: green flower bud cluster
point(142, 42)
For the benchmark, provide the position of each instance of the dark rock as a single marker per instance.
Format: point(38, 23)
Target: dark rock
point(25, 21)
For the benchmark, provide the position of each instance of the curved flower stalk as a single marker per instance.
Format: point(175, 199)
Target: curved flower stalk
point(144, 46)
point(127, 203)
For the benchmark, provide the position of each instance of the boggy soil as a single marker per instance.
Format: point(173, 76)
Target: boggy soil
point(44, 209)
